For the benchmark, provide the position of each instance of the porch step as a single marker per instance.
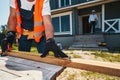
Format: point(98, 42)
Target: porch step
point(85, 45)
point(89, 38)
point(88, 42)
point(88, 48)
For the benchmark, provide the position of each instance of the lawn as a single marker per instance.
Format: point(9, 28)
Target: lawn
point(94, 55)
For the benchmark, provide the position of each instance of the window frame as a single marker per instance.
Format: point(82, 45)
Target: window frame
point(63, 14)
point(64, 5)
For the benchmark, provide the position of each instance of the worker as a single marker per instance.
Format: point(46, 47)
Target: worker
point(30, 20)
point(93, 18)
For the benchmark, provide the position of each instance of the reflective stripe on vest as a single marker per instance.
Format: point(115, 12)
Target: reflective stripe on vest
point(38, 20)
point(38, 23)
point(38, 34)
point(18, 17)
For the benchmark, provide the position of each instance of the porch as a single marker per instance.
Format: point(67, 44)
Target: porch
point(89, 42)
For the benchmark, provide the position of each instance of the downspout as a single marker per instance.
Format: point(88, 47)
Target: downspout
point(103, 18)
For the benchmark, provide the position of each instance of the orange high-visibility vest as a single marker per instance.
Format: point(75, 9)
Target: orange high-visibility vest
point(38, 20)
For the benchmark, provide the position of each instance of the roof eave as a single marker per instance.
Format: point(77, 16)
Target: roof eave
point(82, 5)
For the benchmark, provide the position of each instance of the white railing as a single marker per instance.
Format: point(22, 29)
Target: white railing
point(112, 24)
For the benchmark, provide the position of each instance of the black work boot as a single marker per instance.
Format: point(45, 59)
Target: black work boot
point(45, 54)
point(3, 54)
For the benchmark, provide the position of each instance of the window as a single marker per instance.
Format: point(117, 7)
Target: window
point(54, 4)
point(64, 3)
point(56, 23)
point(62, 23)
point(65, 23)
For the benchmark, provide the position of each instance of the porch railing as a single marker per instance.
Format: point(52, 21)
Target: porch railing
point(112, 26)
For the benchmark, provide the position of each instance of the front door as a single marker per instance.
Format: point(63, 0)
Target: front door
point(85, 24)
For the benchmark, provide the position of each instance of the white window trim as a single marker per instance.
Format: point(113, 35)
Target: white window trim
point(60, 3)
point(60, 24)
point(63, 14)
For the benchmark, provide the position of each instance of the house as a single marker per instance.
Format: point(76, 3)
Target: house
point(70, 20)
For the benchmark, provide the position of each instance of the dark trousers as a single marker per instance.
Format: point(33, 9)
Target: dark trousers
point(25, 45)
point(92, 26)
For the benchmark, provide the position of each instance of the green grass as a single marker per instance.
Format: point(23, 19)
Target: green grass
point(76, 56)
point(15, 48)
point(106, 56)
point(34, 49)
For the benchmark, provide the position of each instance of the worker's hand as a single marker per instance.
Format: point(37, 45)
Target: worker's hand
point(6, 43)
point(51, 46)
